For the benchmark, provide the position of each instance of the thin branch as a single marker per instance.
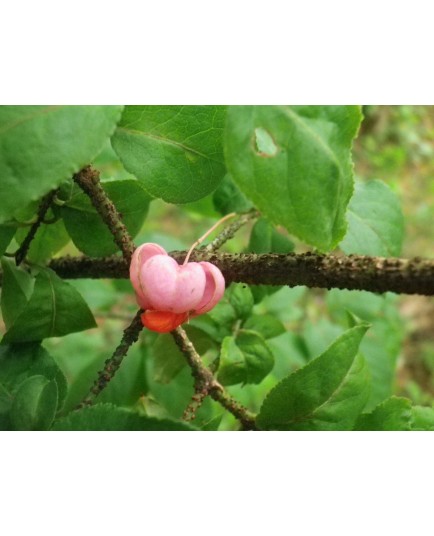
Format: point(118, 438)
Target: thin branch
point(45, 204)
point(205, 383)
point(373, 274)
point(230, 230)
point(89, 182)
point(196, 402)
point(111, 366)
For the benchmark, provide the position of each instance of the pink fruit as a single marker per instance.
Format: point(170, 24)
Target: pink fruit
point(173, 291)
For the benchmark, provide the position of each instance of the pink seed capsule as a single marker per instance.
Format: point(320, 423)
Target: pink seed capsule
point(214, 288)
point(140, 256)
point(173, 291)
point(170, 287)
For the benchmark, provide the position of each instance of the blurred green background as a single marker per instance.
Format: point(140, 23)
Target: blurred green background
point(396, 145)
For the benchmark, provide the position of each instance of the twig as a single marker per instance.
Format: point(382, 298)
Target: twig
point(89, 182)
point(45, 204)
point(206, 383)
point(196, 402)
point(230, 230)
point(373, 274)
point(130, 336)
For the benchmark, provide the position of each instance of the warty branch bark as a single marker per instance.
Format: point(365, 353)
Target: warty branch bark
point(354, 272)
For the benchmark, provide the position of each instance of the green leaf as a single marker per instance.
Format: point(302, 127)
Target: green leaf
point(5, 400)
point(229, 198)
point(88, 232)
point(381, 349)
point(101, 294)
point(176, 152)
point(327, 394)
point(383, 343)
point(17, 287)
point(6, 234)
point(232, 369)
point(422, 418)
point(393, 414)
point(203, 207)
point(103, 417)
point(375, 221)
point(213, 424)
point(222, 318)
point(267, 325)
point(294, 163)
point(35, 404)
point(54, 309)
point(264, 238)
point(245, 359)
point(19, 362)
point(49, 240)
point(241, 299)
point(41, 146)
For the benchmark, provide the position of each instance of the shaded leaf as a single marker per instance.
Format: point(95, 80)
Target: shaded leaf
point(35, 404)
point(241, 299)
point(5, 400)
point(17, 287)
point(229, 198)
point(6, 234)
point(5, 406)
point(19, 362)
point(264, 238)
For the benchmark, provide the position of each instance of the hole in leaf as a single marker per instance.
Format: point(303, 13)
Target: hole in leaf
point(264, 143)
